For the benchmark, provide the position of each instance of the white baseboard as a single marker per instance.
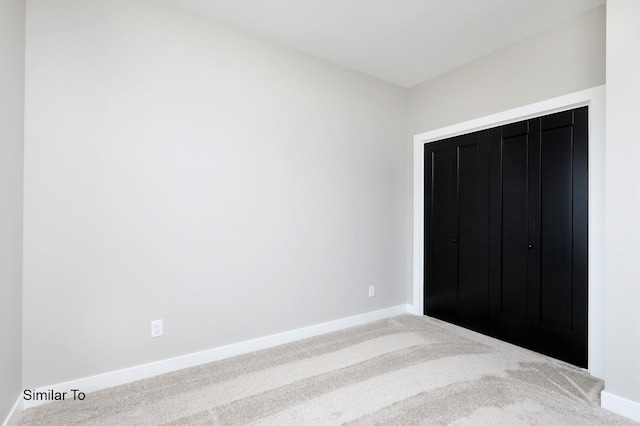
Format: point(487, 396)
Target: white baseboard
point(619, 405)
point(14, 414)
point(128, 375)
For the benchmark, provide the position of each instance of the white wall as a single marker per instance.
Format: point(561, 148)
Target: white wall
point(11, 152)
point(563, 59)
point(622, 385)
point(177, 169)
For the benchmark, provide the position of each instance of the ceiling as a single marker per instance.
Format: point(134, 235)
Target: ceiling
point(404, 42)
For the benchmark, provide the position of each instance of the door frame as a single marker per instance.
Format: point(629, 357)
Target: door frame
point(595, 99)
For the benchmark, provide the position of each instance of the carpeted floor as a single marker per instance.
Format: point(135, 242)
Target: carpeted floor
point(405, 370)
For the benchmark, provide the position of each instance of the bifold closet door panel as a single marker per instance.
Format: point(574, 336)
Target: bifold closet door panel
point(514, 169)
point(473, 226)
point(456, 228)
point(441, 265)
point(564, 224)
point(556, 248)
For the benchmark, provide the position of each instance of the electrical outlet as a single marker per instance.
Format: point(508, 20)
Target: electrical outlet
point(372, 290)
point(156, 328)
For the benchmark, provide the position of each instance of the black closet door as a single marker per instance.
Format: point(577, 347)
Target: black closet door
point(538, 243)
point(506, 233)
point(456, 228)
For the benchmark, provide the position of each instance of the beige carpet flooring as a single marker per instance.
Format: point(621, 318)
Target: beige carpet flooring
point(407, 370)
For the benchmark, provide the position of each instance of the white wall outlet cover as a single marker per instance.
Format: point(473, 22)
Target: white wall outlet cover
point(156, 328)
point(372, 291)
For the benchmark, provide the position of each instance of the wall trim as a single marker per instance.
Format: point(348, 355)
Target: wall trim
point(14, 414)
point(128, 375)
point(595, 99)
point(620, 405)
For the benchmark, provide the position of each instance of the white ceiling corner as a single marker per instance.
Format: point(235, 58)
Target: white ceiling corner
point(404, 42)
